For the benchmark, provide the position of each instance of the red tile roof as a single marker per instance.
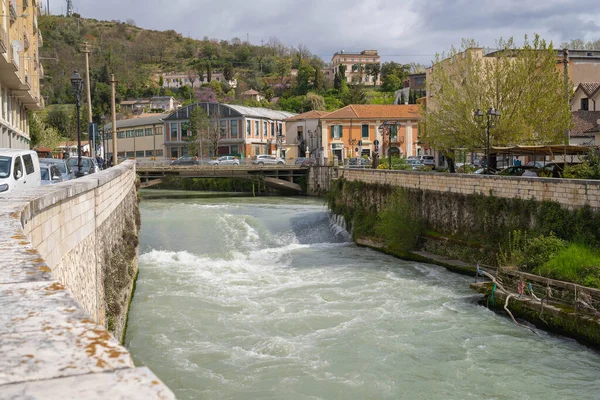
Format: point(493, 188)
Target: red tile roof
point(585, 123)
point(376, 111)
point(589, 88)
point(313, 114)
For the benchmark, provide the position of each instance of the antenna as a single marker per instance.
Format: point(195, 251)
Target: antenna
point(69, 8)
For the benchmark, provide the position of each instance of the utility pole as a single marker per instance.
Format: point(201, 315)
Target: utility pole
point(114, 119)
point(91, 134)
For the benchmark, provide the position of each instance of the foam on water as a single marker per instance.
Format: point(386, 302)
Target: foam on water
point(263, 304)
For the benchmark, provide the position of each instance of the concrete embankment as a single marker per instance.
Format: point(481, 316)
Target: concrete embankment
point(68, 261)
point(460, 221)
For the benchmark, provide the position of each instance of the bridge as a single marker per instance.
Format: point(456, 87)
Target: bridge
point(280, 177)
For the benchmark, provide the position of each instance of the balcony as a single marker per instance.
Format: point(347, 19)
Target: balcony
point(3, 40)
point(12, 8)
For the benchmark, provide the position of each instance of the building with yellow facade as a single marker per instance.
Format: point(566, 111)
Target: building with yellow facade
point(20, 70)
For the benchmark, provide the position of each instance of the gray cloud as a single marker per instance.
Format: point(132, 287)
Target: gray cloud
point(403, 31)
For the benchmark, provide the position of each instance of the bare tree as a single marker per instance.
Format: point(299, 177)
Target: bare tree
point(192, 75)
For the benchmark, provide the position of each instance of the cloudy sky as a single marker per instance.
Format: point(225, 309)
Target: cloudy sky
point(401, 30)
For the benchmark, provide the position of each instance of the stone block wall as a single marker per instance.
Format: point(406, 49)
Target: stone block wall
point(62, 248)
point(570, 193)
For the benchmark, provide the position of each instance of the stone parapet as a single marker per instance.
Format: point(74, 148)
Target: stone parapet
point(570, 193)
point(52, 294)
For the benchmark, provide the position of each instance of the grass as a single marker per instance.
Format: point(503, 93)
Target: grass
point(577, 263)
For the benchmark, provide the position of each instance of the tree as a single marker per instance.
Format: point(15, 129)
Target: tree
point(208, 71)
point(391, 83)
point(355, 95)
point(523, 84)
point(58, 119)
point(192, 75)
point(304, 77)
point(318, 80)
point(200, 67)
point(284, 68)
point(375, 70)
point(314, 102)
point(198, 125)
point(228, 72)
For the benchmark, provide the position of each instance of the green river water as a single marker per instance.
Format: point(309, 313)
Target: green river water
point(267, 298)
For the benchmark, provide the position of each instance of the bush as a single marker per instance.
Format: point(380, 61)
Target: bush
point(541, 249)
point(398, 224)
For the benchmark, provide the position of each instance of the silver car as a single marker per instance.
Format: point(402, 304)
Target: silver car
point(261, 159)
point(50, 174)
point(225, 160)
point(66, 171)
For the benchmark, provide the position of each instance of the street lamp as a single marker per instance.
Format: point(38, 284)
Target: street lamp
point(104, 140)
point(77, 86)
point(492, 115)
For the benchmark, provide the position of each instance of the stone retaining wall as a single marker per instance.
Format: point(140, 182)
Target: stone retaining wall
point(570, 193)
point(60, 249)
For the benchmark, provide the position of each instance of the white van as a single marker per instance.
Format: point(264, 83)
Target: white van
point(19, 170)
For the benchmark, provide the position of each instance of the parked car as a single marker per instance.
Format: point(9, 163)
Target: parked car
point(305, 161)
point(88, 165)
point(19, 170)
point(50, 174)
point(66, 171)
point(519, 170)
point(358, 163)
point(428, 160)
point(186, 160)
point(225, 160)
point(414, 163)
point(261, 159)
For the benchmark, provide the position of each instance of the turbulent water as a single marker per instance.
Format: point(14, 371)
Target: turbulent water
point(268, 299)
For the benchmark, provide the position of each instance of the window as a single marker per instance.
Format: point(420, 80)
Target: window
point(130, 154)
point(256, 130)
point(121, 134)
point(173, 130)
point(280, 129)
point(158, 130)
point(28, 164)
point(184, 129)
point(248, 128)
point(234, 128)
point(223, 128)
point(129, 133)
point(265, 130)
point(234, 149)
point(139, 132)
point(336, 131)
point(585, 104)
point(393, 131)
point(148, 131)
point(159, 153)
point(149, 153)
point(365, 131)
point(272, 128)
point(184, 151)
point(174, 152)
point(139, 154)
point(18, 168)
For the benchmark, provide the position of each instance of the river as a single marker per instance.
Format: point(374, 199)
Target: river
point(266, 298)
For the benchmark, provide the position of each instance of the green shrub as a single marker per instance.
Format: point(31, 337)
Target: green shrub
point(576, 263)
point(541, 249)
point(514, 253)
point(398, 224)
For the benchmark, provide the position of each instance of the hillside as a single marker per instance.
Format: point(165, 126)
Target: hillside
point(138, 57)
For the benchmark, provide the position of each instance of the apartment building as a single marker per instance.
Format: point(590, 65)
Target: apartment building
point(244, 131)
point(352, 131)
point(357, 66)
point(20, 70)
point(139, 138)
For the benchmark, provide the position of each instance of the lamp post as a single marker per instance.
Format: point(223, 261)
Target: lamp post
point(77, 86)
point(104, 140)
point(492, 115)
